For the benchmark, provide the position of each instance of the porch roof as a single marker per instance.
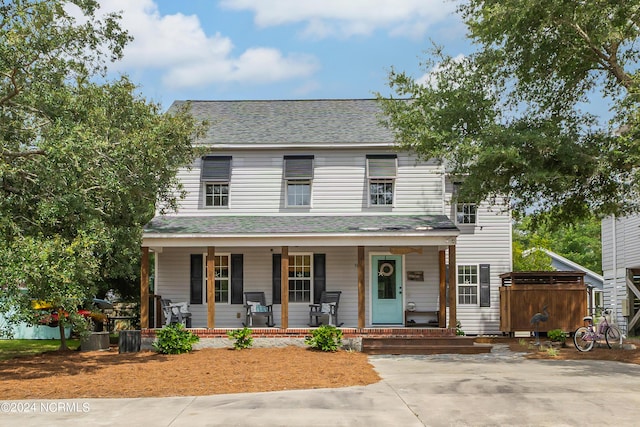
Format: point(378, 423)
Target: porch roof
point(366, 229)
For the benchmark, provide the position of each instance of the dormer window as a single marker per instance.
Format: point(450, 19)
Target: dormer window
point(215, 175)
point(381, 173)
point(298, 174)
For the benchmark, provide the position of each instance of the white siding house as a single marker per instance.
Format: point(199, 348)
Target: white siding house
point(317, 189)
point(621, 269)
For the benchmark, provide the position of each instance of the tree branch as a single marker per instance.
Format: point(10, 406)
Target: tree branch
point(609, 60)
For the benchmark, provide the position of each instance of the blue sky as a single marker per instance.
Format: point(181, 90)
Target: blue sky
point(279, 49)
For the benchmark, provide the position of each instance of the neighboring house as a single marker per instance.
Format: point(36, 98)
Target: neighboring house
point(621, 269)
point(593, 280)
point(297, 197)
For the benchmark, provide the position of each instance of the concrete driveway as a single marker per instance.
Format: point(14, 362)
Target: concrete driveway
point(497, 389)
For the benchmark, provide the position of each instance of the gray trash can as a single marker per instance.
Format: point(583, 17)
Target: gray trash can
point(129, 342)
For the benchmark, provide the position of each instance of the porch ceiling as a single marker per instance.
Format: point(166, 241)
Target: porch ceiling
point(302, 230)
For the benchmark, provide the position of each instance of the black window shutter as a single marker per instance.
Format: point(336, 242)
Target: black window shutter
point(237, 278)
point(196, 279)
point(319, 276)
point(485, 286)
point(277, 269)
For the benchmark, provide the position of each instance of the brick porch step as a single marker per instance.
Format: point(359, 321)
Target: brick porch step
point(423, 345)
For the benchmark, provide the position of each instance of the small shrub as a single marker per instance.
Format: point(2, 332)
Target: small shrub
point(175, 339)
point(556, 335)
point(242, 337)
point(523, 342)
point(325, 338)
point(459, 330)
point(552, 352)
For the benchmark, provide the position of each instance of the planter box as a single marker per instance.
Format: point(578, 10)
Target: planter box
point(95, 341)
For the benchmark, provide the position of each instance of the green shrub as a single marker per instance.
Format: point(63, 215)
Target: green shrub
point(243, 338)
point(175, 339)
point(556, 335)
point(459, 330)
point(325, 338)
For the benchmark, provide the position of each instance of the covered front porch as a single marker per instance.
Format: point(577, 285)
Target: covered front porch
point(391, 271)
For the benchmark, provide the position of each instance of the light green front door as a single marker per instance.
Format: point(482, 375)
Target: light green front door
point(386, 298)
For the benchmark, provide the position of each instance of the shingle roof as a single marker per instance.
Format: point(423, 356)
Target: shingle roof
point(273, 225)
point(290, 122)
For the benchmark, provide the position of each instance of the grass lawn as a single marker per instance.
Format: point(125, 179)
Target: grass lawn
point(16, 348)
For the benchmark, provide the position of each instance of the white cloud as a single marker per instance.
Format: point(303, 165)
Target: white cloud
point(347, 18)
point(429, 78)
point(177, 45)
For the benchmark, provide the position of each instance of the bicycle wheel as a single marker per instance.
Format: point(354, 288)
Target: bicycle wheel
point(613, 336)
point(583, 339)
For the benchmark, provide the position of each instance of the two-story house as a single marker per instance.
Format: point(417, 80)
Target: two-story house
point(296, 197)
point(621, 270)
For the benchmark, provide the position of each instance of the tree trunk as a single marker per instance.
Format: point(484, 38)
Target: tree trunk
point(63, 338)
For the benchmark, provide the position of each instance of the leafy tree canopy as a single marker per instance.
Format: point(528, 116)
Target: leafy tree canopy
point(83, 165)
point(578, 242)
point(512, 117)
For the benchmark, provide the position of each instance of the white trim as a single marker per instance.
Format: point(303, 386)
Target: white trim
point(204, 279)
point(393, 192)
point(311, 273)
point(477, 285)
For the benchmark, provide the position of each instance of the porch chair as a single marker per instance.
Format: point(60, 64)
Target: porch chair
point(327, 306)
point(176, 312)
point(256, 306)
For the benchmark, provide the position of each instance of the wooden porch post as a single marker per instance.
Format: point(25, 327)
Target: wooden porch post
point(211, 287)
point(144, 288)
point(442, 309)
point(284, 287)
point(452, 286)
point(361, 299)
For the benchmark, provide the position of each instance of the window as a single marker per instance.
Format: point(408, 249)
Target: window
point(222, 279)
point(298, 172)
point(215, 175)
point(216, 195)
point(300, 278)
point(381, 173)
point(468, 284)
point(466, 213)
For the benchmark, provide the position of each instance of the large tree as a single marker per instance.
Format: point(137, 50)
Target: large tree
point(513, 119)
point(84, 163)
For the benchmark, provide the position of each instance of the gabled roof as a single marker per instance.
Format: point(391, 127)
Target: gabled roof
point(561, 263)
point(291, 122)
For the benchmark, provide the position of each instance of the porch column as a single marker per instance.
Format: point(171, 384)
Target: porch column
point(452, 286)
point(442, 309)
point(211, 287)
point(144, 288)
point(361, 299)
point(284, 287)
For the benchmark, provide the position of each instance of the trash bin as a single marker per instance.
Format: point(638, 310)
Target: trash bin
point(129, 341)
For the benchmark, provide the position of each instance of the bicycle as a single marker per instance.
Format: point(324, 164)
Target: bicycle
point(585, 336)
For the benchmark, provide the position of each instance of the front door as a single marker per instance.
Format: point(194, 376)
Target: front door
point(386, 298)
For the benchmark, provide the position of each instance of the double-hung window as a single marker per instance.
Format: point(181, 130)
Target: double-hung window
point(381, 173)
point(466, 213)
point(468, 284)
point(222, 292)
point(300, 278)
point(298, 175)
point(215, 176)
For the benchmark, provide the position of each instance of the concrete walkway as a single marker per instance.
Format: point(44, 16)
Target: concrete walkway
point(497, 389)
